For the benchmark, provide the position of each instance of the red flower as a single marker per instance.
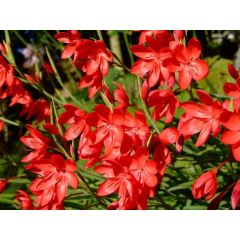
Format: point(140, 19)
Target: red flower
point(35, 141)
point(94, 82)
point(73, 39)
point(190, 65)
point(143, 169)
point(161, 153)
point(205, 185)
point(18, 93)
point(1, 125)
point(179, 34)
point(98, 57)
point(155, 59)
point(203, 118)
point(55, 174)
point(232, 136)
point(119, 181)
point(77, 120)
point(3, 184)
point(235, 198)
point(38, 108)
point(136, 132)
point(6, 73)
point(149, 33)
point(233, 89)
point(165, 103)
point(24, 199)
point(109, 127)
point(121, 97)
point(48, 68)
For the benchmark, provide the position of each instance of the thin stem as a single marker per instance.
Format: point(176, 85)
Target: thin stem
point(106, 101)
point(89, 189)
point(99, 32)
point(121, 63)
point(60, 80)
point(10, 122)
point(145, 109)
point(128, 47)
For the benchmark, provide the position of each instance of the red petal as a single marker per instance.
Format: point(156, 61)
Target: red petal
point(204, 134)
point(74, 130)
point(204, 97)
point(233, 72)
point(198, 69)
point(194, 48)
point(196, 110)
point(185, 78)
point(232, 90)
point(236, 151)
point(235, 198)
point(191, 127)
point(230, 137)
point(142, 52)
point(169, 135)
point(150, 180)
point(109, 186)
point(72, 180)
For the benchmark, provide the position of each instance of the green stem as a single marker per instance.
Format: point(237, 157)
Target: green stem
point(20, 38)
point(145, 109)
point(89, 189)
point(106, 101)
point(99, 32)
point(10, 122)
point(128, 47)
point(60, 80)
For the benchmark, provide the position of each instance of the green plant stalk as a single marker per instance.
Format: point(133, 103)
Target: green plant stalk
point(128, 47)
point(105, 99)
point(10, 122)
point(99, 32)
point(60, 80)
point(145, 109)
point(89, 189)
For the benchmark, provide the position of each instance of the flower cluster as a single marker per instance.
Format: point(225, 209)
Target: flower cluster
point(118, 139)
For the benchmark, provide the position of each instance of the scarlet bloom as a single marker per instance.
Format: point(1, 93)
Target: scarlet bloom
point(179, 34)
point(3, 184)
point(165, 103)
point(48, 68)
point(205, 185)
point(37, 108)
point(94, 82)
point(121, 97)
point(155, 59)
point(201, 118)
point(191, 67)
point(35, 141)
point(119, 180)
point(98, 58)
point(233, 89)
point(235, 198)
point(55, 174)
point(149, 33)
point(144, 170)
point(136, 132)
point(73, 39)
point(1, 125)
point(24, 199)
point(159, 146)
point(109, 127)
point(76, 118)
point(6, 73)
point(232, 135)
point(18, 94)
